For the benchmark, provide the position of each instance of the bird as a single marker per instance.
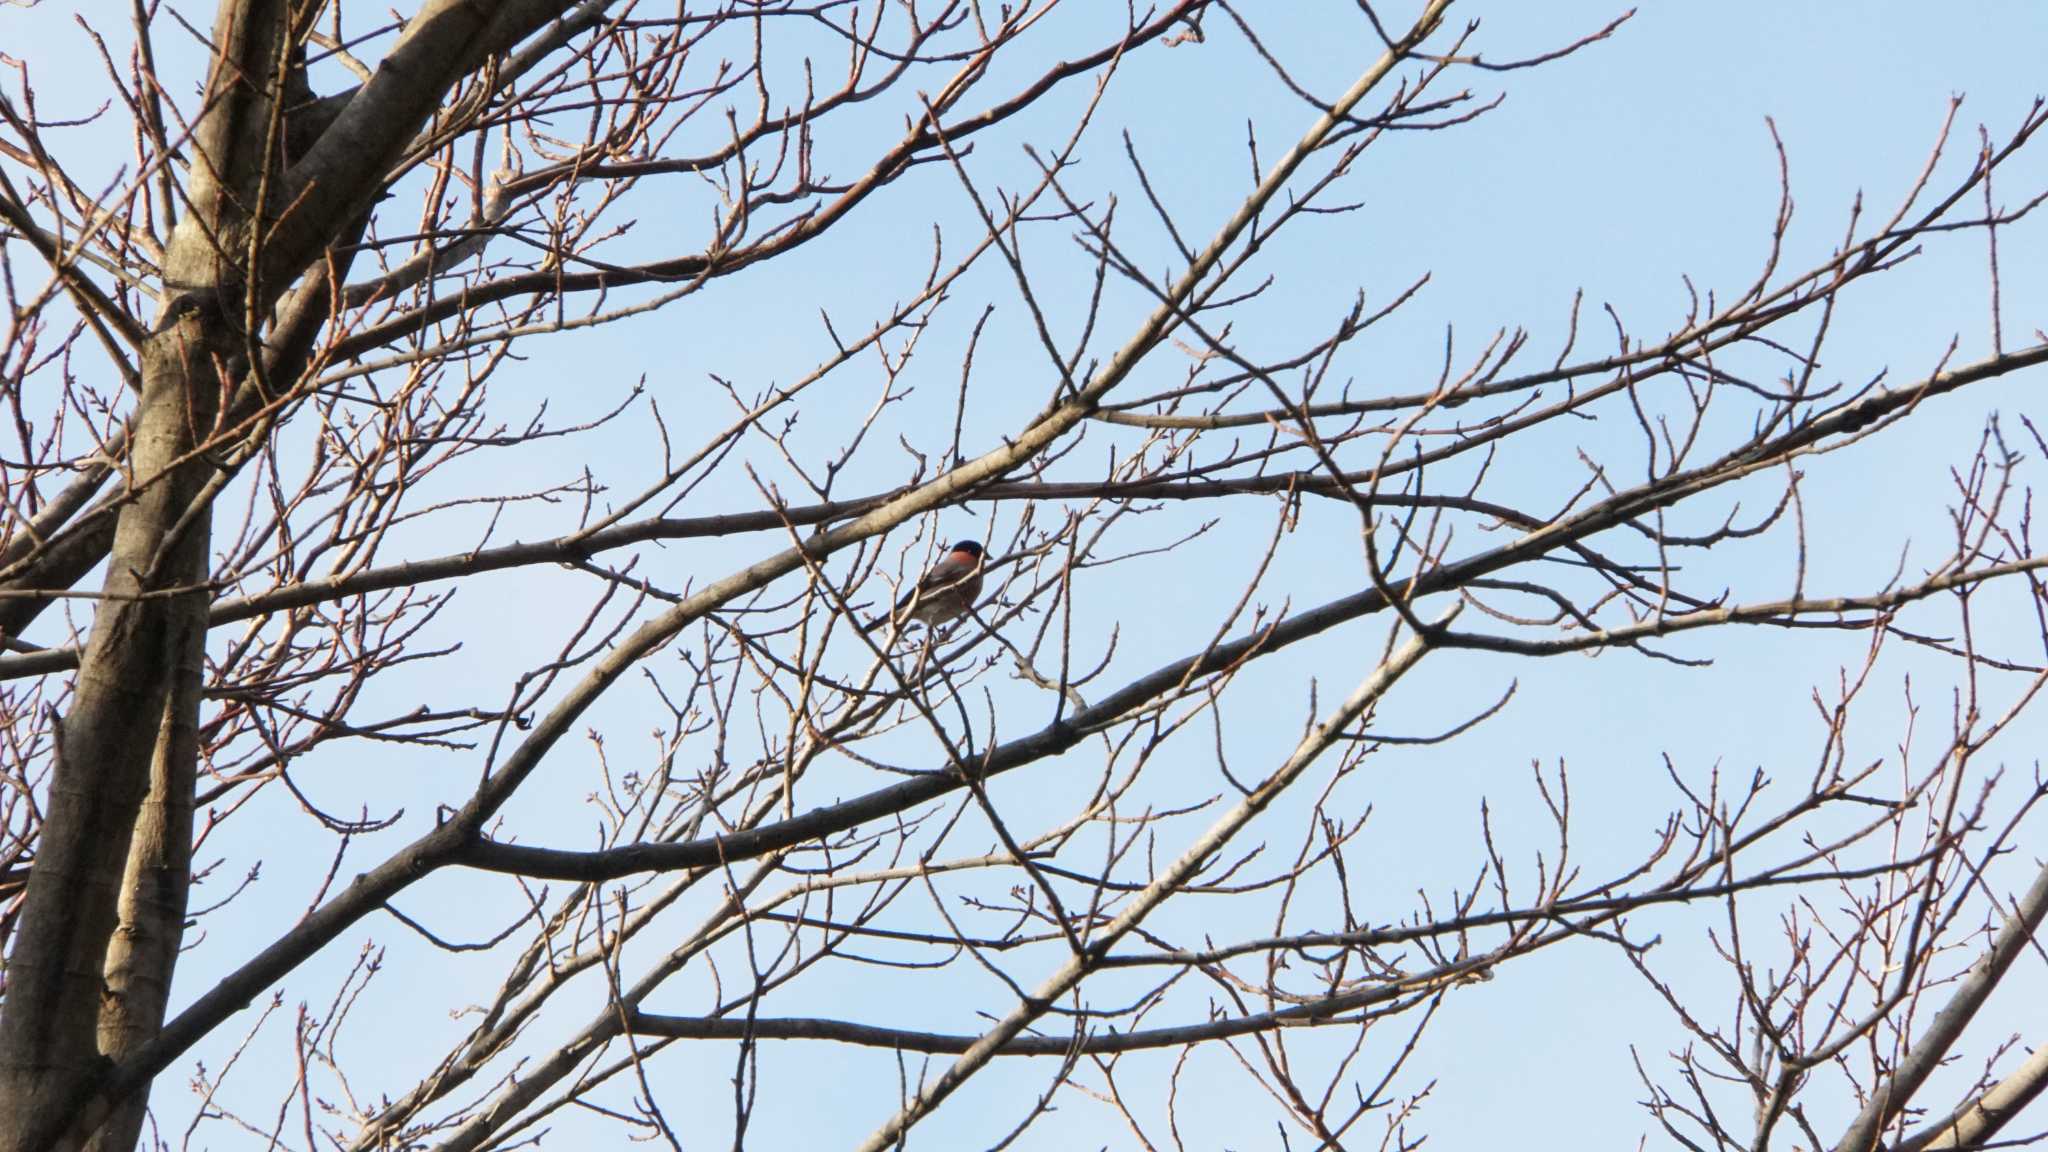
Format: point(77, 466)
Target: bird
point(943, 593)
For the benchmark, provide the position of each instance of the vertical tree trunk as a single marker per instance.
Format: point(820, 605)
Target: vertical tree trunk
point(125, 717)
point(144, 950)
point(99, 929)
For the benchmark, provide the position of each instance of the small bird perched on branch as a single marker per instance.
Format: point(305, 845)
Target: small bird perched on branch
point(945, 592)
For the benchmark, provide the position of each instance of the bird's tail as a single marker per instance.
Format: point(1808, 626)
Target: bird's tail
point(897, 620)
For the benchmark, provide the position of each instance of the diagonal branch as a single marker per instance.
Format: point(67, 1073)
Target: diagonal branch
point(1171, 879)
point(1980, 1120)
point(1889, 1099)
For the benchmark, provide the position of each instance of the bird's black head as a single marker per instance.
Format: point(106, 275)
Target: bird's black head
point(968, 548)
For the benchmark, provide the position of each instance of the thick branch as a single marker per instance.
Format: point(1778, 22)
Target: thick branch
point(1980, 1121)
point(1887, 1100)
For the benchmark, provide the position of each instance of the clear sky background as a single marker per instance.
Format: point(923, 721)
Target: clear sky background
point(1618, 172)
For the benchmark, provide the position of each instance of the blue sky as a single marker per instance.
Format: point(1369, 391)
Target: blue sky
point(1640, 161)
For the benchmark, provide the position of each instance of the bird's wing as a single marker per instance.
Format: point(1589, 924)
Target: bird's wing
point(949, 570)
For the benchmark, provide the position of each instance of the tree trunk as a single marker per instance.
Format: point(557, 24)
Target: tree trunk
point(144, 950)
point(126, 716)
point(98, 935)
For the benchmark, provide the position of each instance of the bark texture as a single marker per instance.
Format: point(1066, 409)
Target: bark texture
point(108, 868)
point(278, 179)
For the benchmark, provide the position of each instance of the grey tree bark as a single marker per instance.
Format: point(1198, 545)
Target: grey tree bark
point(77, 998)
point(98, 936)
